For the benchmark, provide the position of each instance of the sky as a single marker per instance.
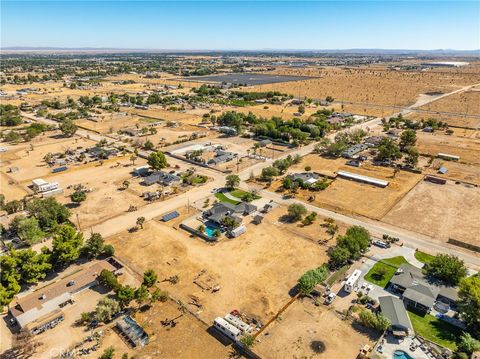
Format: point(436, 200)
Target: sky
point(232, 25)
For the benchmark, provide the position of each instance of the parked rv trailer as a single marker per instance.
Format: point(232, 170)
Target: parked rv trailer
point(352, 280)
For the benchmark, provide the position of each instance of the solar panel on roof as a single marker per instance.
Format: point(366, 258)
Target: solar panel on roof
point(170, 216)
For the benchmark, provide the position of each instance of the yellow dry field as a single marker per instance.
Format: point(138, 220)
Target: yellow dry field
point(365, 85)
point(303, 323)
point(440, 211)
point(351, 197)
point(282, 111)
point(456, 171)
point(438, 142)
point(246, 268)
point(465, 103)
point(109, 122)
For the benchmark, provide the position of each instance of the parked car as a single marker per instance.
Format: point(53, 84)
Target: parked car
point(330, 298)
point(381, 244)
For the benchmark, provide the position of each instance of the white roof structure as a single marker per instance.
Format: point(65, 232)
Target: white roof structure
point(362, 178)
point(446, 155)
point(227, 326)
point(353, 277)
point(237, 322)
point(39, 182)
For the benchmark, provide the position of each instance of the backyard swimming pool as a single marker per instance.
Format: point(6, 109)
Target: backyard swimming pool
point(400, 354)
point(210, 229)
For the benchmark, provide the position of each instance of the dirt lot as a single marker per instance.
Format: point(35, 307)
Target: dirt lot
point(172, 342)
point(353, 197)
point(303, 323)
point(247, 268)
point(369, 85)
point(432, 143)
point(456, 171)
point(441, 211)
point(30, 163)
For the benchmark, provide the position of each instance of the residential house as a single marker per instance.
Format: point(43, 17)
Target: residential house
point(161, 177)
point(422, 293)
point(219, 211)
point(394, 309)
point(355, 149)
point(304, 177)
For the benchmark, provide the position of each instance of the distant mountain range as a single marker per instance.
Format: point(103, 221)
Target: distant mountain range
point(405, 52)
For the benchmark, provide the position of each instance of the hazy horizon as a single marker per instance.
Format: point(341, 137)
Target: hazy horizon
point(242, 26)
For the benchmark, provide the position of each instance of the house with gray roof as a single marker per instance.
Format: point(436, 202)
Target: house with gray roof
point(161, 177)
point(304, 177)
point(394, 309)
point(219, 211)
point(353, 150)
point(419, 292)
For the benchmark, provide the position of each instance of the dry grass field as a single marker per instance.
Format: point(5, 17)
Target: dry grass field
point(466, 103)
point(303, 323)
point(189, 338)
point(438, 142)
point(369, 85)
point(352, 197)
point(440, 211)
point(255, 271)
point(456, 171)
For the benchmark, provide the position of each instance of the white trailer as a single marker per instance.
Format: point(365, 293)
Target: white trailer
point(227, 329)
point(237, 322)
point(352, 280)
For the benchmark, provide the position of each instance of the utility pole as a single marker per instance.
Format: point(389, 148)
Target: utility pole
point(78, 222)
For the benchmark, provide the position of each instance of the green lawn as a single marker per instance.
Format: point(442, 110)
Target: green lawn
point(222, 198)
point(383, 271)
point(338, 274)
point(239, 194)
point(423, 257)
point(435, 330)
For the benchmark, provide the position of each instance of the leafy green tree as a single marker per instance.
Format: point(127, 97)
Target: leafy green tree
point(32, 266)
point(150, 278)
point(287, 182)
point(446, 267)
point(68, 128)
point(375, 321)
point(13, 206)
point(388, 150)
point(148, 145)
point(469, 303)
point(408, 138)
point(248, 340)
point(48, 212)
point(94, 246)
point(29, 230)
point(158, 295)
point(339, 256)
point(78, 196)
point(412, 156)
point(66, 245)
point(232, 181)
point(468, 344)
point(157, 160)
point(269, 172)
point(125, 295)
point(296, 211)
point(106, 309)
point(108, 279)
point(308, 281)
point(141, 294)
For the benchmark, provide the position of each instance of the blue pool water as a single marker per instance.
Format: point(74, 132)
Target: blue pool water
point(400, 354)
point(209, 230)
